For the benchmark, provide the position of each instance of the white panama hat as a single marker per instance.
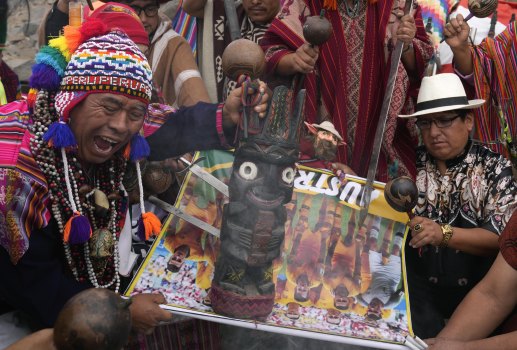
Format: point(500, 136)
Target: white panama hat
point(328, 126)
point(440, 93)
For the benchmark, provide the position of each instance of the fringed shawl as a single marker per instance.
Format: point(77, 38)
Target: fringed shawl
point(495, 69)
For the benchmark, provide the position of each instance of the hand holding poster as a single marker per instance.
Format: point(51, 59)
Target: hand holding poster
point(334, 281)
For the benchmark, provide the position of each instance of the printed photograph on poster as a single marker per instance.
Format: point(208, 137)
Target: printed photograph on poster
point(332, 277)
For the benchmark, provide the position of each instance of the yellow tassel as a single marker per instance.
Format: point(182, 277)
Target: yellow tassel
point(31, 97)
point(152, 224)
point(330, 4)
point(60, 44)
point(73, 37)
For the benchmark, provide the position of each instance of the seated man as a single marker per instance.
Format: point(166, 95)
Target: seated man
point(487, 305)
point(467, 196)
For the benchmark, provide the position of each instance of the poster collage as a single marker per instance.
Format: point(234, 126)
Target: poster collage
point(332, 277)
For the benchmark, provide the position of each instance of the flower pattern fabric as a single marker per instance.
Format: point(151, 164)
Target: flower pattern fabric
point(477, 191)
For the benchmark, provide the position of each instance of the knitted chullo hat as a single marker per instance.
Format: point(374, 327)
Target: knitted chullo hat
point(107, 63)
point(121, 16)
point(86, 60)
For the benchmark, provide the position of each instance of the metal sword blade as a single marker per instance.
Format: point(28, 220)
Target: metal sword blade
point(181, 214)
point(381, 126)
point(207, 177)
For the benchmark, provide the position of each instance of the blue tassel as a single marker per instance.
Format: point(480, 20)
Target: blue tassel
point(44, 77)
point(60, 135)
point(139, 148)
point(53, 58)
point(77, 230)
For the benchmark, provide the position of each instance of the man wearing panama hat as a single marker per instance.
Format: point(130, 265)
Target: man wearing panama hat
point(467, 195)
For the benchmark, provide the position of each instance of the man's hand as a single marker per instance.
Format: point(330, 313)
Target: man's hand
point(406, 31)
point(425, 231)
point(233, 106)
point(340, 168)
point(456, 33)
point(146, 313)
point(304, 58)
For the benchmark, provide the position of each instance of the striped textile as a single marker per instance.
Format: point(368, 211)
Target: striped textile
point(23, 189)
point(495, 68)
point(438, 11)
point(186, 26)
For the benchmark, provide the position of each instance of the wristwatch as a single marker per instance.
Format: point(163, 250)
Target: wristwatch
point(446, 235)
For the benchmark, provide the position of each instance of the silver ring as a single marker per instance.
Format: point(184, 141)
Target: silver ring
point(418, 228)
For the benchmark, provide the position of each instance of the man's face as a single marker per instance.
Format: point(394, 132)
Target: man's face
point(374, 309)
point(293, 311)
point(327, 225)
point(261, 11)
point(104, 123)
point(341, 300)
point(445, 142)
point(302, 288)
point(328, 136)
point(147, 10)
point(178, 258)
point(333, 316)
point(325, 145)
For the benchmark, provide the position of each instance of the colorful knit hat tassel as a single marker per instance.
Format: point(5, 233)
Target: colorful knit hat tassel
point(148, 224)
point(77, 229)
point(59, 135)
point(139, 148)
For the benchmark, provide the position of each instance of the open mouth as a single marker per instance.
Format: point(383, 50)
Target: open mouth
point(263, 202)
point(104, 144)
point(176, 263)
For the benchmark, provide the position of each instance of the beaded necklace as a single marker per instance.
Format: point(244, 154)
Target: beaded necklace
point(69, 190)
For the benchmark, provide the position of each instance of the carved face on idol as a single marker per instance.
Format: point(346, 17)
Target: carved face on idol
point(263, 175)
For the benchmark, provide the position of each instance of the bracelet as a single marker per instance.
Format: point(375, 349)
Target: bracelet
point(447, 232)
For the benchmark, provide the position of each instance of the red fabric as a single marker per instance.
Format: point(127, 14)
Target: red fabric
point(123, 17)
point(308, 158)
point(374, 74)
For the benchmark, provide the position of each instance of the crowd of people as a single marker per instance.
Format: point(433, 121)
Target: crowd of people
point(123, 89)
